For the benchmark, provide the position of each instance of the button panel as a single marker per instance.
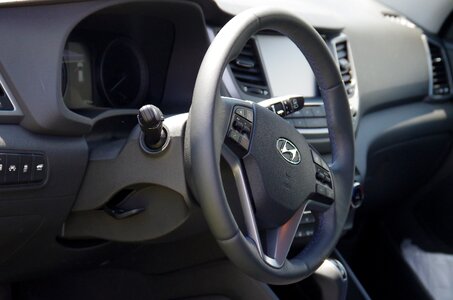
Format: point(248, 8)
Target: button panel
point(241, 126)
point(310, 117)
point(324, 184)
point(307, 225)
point(22, 168)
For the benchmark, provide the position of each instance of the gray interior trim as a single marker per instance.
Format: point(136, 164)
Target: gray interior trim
point(400, 123)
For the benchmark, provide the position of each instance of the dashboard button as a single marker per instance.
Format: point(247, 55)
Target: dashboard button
point(319, 111)
point(300, 123)
point(2, 167)
point(307, 112)
point(39, 168)
point(25, 169)
point(12, 169)
point(316, 123)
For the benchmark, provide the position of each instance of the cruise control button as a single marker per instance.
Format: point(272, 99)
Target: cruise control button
point(12, 169)
point(39, 168)
point(25, 169)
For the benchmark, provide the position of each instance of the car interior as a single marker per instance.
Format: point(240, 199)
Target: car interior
point(226, 149)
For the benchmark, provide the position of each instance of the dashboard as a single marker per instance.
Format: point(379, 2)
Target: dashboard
point(72, 84)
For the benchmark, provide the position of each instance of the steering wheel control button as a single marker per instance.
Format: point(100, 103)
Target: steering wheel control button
point(245, 112)
point(288, 151)
point(241, 127)
point(239, 124)
point(320, 176)
point(240, 111)
point(249, 114)
point(324, 191)
point(308, 218)
point(244, 142)
point(317, 159)
point(323, 176)
point(235, 136)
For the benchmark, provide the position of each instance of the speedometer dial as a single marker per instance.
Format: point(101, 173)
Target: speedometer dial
point(123, 74)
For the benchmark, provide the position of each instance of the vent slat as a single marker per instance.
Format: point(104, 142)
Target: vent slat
point(248, 71)
point(440, 80)
point(344, 64)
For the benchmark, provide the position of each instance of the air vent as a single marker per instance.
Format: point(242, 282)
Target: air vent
point(248, 71)
point(344, 63)
point(5, 103)
point(441, 85)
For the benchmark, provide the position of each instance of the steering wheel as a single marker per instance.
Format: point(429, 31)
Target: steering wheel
point(276, 172)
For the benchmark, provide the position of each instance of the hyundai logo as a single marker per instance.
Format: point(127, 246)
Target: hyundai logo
point(288, 151)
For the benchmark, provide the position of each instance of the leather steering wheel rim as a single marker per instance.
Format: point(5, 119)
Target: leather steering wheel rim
point(205, 135)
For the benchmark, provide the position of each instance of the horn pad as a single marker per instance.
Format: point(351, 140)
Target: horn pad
point(279, 168)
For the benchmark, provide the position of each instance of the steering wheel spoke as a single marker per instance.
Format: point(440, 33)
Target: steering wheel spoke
point(278, 241)
point(252, 232)
point(273, 245)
